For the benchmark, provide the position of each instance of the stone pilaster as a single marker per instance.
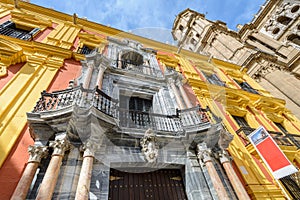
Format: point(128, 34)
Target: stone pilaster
point(102, 69)
point(36, 154)
point(49, 181)
point(184, 95)
point(83, 187)
point(197, 187)
point(89, 74)
point(204, 155)
point(171, 82)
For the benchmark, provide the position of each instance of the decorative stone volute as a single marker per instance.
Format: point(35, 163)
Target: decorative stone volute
point(59, 146)
point(36, 153)
point(150, 146)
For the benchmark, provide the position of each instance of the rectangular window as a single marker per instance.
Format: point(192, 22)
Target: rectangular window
point(245, 86)
point(213, 79)
point(9, 28)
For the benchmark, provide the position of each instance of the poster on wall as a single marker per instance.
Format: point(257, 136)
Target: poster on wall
point(271, 154)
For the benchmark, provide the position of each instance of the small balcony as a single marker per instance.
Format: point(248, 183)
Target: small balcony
point(58, 102)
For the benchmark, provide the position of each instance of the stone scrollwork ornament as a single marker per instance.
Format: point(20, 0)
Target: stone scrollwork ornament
point(149, 146)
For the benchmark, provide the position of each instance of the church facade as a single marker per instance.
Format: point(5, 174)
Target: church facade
point(268, 46)
point(91, 112)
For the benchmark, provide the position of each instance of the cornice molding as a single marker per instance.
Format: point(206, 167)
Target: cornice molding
point(11, 53)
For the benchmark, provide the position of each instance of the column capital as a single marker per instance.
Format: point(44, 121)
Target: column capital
point(59, 146)
point(90, 64)
point(89, 148)
point(102, 67)
point(171, 80)
point(203, 152)
point(178, 83)
point(36, 153)
point(223, 156)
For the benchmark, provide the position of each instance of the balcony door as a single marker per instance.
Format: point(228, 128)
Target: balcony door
point(134, 111)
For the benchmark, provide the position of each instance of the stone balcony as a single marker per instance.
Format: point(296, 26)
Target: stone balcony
point(64, 104)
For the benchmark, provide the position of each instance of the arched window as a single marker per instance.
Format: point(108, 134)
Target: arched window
point(275, 31)
point(294, 38)
point(284, 20)
point(131, 58)
point(295, 9)
point(181, 27)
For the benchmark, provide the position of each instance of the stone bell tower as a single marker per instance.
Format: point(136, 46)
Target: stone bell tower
point(268, 46)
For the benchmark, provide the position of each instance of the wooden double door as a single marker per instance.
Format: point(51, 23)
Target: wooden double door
point(163, 184)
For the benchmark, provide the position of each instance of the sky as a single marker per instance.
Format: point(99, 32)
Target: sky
point(154, 18)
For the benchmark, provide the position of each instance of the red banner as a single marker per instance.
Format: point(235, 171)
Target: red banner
point(271, 154)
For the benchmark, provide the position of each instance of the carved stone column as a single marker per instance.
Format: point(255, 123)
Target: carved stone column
point(49, 181)
point(83, 187)
point(102, 69)
point(204, 155)
point(184, 95)
point(233, 178)
point(120, 60)
point(171, 81)
point(36, 154)
point(89, 73)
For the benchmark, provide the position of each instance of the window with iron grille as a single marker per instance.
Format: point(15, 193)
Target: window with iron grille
point(245, 86)
point(139, 104)
point(84, 50)
point(241, 121)
point(292, 184)
point(279, 125)
point(9, 28)
point(213, 79)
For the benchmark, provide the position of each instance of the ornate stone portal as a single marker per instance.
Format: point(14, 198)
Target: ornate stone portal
point(132, 124)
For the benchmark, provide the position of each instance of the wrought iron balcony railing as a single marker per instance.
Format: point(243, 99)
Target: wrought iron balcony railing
point(85, 98)
point(286, 139)
point(145, 120)
point(77, 96)
point(141, 69)
point(192, 116)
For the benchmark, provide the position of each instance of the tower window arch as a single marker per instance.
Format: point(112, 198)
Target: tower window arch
point(275, 31)
point(294, 38)
point(284, 20)
point(295, 9)
point(181, 27)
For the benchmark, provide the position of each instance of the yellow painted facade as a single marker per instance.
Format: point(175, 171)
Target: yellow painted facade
point(42, 60)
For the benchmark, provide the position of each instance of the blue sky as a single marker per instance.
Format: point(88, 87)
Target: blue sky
point(146, 16)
